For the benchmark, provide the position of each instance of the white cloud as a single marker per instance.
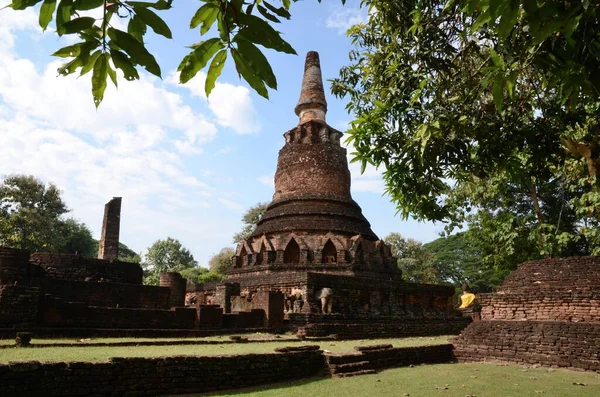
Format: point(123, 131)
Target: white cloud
point(370, 180)
point(231, 104)
point(50, 128)
point(232, 205)
point(342, 18)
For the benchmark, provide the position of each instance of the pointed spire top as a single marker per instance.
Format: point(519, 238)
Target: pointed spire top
point(312, 104)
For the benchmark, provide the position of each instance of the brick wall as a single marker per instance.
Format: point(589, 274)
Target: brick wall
point(57, 313)
point(540, 305)
point(105, 294)
point(76, 267)
point(156, 376)
point(563, 344)
point(369, 358)
point(18, 305)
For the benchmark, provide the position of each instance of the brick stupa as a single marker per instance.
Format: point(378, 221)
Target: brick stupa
point(313, 235)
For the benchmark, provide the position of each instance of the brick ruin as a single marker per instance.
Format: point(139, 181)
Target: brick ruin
point(60, 294)
point(314, 239)
point(108, 248)
point(313, 251)
point(546, 312)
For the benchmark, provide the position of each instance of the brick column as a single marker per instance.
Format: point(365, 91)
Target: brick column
point(108, 247)
point(177, 284)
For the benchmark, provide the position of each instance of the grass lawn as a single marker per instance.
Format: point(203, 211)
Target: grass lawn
point(447, 380)
point(92, 353)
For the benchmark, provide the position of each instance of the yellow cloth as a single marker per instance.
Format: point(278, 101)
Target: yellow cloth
point(466, 300)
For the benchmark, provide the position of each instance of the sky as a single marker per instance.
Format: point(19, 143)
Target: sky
point(186, 166)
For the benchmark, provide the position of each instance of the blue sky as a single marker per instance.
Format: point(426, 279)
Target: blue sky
point(186, 167)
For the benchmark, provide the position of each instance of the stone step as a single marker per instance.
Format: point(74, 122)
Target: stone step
point(356, 373)
point(350, 367)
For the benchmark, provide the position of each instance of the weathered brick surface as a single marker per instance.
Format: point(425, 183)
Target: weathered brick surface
point(57, 313)
point(18, 305)
point(78, 268)
point(388, 357)
point(540, 305)
point(548, 343)
point(156, 376)
point(108, 246)
point(177, 285)
point(547, 312)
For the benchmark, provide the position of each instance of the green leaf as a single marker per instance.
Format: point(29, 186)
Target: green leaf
point(259, 32)
point(281, 11)
point(99, 79)
point(159, 5)
point(136, 50)
point(70, 51)
point(508, 19)
point(498, 92)
point(207, 14)
point(46, 13)
point(257, 62)
point(76, 25)
point(265, 13)
point(286, 4)
point(137, 28)
point(214, 71)
point(87, 4)
point(63, 13)
point(112, 73)
point(246, 72)
point(22, 4)
point(154, 21)
point(80, 60)
point(198, 59)
point(90, 62)
point(122, 62)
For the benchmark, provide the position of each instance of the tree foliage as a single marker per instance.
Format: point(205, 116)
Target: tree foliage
point(241, 26)
point(467, 103)
point(166, 256)
point(30, 214)
point(414, 260)
point(221, 262)
point(250, 221)
point(77, 238)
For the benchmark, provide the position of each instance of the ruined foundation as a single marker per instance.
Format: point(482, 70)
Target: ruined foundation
point(547, 312)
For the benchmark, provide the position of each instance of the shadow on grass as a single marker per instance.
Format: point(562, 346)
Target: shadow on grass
point(261, 388)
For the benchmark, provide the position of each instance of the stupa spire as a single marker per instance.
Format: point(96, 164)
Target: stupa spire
point(312, 104)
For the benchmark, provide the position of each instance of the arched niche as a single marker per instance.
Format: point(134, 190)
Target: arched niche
point(359, 255)
point(261, 254)
point(241, 258)
point(292, 252)
point(329, 253)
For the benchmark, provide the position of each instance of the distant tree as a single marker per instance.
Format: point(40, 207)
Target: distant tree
point(166, 256)
point(77, 238)
point(221, 262)
point(200, 275)
point(30, 213)
point(128, 255)
point(458, 260)
point(250, 221)
point(416, 263)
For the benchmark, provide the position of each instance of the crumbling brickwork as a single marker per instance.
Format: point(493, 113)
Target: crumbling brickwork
point(157, 376)
point(108, 247)
point(546, 312)
point(18, 305)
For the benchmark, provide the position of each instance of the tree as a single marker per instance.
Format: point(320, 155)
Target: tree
point(250, 221)
point(166, 256)
point(30, 213)
point(201, 275)
point(415, 262)
point(459, 260)
point(77, 238)
point(221, 262)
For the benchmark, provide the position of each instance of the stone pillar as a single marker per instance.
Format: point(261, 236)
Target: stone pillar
point(177, 285)
point(223, 294)
point(108, 247)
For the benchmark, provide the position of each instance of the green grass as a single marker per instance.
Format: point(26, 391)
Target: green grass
point(444, 380)
point(92, 353)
